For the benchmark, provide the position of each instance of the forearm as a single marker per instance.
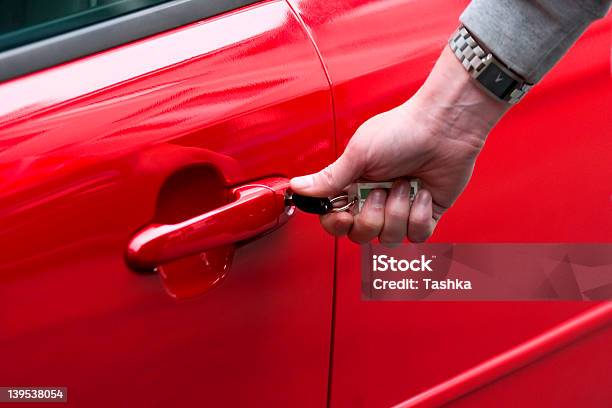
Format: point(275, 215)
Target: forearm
point(453, 103)
point(451, 98)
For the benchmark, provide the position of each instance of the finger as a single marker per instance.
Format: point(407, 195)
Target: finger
point(337, 224)
point(333, 178)
point(369, 222)
point(420, 222)
point(397, 209)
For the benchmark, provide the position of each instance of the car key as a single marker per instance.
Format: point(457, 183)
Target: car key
point(317, 205)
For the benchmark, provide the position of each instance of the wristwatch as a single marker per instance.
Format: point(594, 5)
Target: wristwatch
point(490, 73)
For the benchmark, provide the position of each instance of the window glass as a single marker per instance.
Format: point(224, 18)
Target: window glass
point(25, 21)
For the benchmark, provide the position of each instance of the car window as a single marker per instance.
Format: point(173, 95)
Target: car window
point(24, 21)
point(36, 34)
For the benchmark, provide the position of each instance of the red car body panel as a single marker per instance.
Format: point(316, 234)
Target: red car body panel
point(86, 150)
point(161, 130)
point(544, 176)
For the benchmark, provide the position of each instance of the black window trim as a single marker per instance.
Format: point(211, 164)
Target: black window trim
point(107, 34)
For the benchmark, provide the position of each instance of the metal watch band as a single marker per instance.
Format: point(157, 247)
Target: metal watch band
point(490, 73)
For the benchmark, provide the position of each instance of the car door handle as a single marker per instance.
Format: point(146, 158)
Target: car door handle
point(257, 208)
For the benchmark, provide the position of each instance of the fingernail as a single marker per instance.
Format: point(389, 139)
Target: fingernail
point(424, 199)
point(378, 199)
point(302, 183)
point(403, 188)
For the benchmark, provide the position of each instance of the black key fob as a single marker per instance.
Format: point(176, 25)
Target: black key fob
point(312, 205)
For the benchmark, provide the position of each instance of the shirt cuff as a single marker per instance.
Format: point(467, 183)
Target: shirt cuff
point(530, 37)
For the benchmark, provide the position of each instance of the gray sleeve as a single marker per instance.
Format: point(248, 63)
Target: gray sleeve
point(531, 36)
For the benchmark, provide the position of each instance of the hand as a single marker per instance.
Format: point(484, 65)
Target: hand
point(435, 136)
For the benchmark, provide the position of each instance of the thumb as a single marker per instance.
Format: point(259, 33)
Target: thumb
point(331, 180)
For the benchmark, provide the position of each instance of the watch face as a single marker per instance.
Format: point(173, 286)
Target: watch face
point(497, 81)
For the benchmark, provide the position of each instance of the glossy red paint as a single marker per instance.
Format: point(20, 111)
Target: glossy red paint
point(515, 358)
point(161, 131)
point(572, 369)
point(542, 177)
point(94, 150)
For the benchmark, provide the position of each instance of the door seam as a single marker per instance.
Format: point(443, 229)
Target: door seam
point(325, 70)
point(335, 150)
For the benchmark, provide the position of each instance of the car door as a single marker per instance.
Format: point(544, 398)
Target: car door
point(183, 119)
point(543, 176)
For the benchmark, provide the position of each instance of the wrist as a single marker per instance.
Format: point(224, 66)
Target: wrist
point(451, 99)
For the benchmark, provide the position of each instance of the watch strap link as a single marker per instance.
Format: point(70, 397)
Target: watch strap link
point(475, 60)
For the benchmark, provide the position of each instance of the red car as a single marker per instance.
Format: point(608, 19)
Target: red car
point(147, 258)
